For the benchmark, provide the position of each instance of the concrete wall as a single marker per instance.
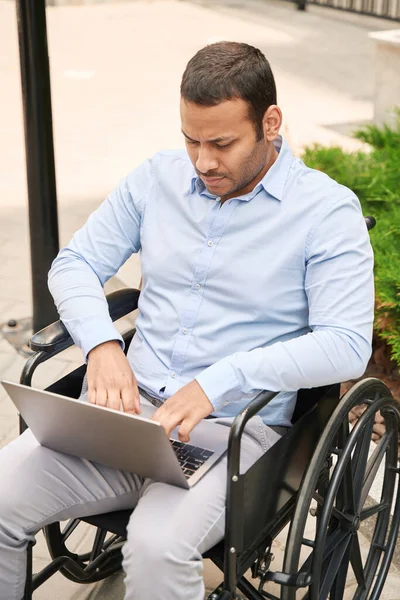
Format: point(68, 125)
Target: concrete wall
point(387, 76)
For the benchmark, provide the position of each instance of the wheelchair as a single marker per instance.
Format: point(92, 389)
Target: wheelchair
point(322, 470)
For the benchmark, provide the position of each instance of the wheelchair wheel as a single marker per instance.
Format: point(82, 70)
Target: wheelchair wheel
point(325, 551)
point(103, 559)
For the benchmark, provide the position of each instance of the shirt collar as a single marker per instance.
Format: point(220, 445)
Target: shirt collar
point(273, 181)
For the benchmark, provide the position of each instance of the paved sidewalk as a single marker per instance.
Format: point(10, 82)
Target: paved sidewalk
point(115, 70)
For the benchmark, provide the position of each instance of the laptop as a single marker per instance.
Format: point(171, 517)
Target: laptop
point(117, 439)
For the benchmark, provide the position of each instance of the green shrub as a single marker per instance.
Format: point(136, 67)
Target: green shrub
point(375, 177)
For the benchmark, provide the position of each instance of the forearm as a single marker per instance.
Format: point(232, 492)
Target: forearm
point(318, 358)
point(79, 297)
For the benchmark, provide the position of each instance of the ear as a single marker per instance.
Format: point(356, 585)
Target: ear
point(272, 122)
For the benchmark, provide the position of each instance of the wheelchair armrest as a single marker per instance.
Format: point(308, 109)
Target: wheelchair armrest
point(54, 338)
point(237, 427)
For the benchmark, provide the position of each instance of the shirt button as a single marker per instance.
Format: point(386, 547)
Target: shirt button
point(197, 286)
point(210, 243)
point(184, 331)
point(173, 374)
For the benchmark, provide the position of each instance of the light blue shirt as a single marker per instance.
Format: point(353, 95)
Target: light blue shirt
point(272, 290)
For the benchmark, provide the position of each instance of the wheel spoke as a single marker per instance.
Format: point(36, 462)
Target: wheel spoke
point(69, 529)
point(373, 510)
point(335, 562)
point(345, 494)
point(360, 461)
point(356, 561)
point(338, 514)
point(373, 465)
point(111, 540)
point(332, 542)
point(98, 543)
point(339, 584)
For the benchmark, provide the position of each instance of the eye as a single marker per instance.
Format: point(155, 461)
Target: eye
point(191, 142)
point(224, 146)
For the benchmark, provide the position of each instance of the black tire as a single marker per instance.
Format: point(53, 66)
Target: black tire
point(104, 558)
point(335, 487)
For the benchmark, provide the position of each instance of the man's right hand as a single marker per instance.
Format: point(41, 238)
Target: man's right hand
point(111, 381)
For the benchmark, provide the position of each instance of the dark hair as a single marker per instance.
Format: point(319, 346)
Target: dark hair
point(228, 70)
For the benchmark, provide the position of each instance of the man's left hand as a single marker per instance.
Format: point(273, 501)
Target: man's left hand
point(185, 408)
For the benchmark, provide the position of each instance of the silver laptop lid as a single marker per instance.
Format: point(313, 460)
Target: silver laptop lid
point(113, 438)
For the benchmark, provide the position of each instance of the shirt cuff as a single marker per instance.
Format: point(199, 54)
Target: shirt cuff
point(220, 384)
point(93, 332)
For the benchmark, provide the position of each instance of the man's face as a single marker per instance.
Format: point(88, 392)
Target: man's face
point(222, 145)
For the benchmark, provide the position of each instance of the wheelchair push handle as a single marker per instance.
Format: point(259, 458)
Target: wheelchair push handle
point(371, 222)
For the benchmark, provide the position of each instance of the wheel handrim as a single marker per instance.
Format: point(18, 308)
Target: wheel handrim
point(354, 476)
point(346, 545)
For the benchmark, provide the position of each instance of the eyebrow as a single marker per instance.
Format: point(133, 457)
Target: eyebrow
point(214, 141)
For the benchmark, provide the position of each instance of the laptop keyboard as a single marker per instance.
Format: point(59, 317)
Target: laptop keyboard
point(190, 457)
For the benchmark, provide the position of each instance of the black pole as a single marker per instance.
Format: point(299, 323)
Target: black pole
point(36, 98)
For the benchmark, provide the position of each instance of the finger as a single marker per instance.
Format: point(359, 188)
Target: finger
point(168, 407)
point(158, 414)
point(169, 422)
point(185, 430)
point(136, 398)
point(114, 399)
point(92, 396)
point(101, 397)
point(128, 401)
point(184, 438)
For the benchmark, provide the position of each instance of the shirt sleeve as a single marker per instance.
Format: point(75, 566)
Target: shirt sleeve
point(340, 292)
point(95, 253)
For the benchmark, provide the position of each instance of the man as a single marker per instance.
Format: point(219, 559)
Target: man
point(257, 275)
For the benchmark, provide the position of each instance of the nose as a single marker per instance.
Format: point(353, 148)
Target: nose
point(206, 160)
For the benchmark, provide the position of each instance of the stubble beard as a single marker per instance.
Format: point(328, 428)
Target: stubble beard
point(249, 175)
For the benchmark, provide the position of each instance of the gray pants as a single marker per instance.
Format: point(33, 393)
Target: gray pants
point(168, 531)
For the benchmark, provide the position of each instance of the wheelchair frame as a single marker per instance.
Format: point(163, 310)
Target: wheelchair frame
point(299, 464)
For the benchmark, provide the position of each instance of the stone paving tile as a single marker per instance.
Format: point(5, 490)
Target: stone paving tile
point(8, 429)
point(13, 432)
point(5, 305)
point(13, 370)
point(59, 587)
point(7, 358)
point(5, 348)
point(7, 408)
point(18, 309)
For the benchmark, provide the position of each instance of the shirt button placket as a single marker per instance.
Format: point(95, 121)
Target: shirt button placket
point(201, 267)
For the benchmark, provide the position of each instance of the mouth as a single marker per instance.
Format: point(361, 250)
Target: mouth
point(212, 180)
